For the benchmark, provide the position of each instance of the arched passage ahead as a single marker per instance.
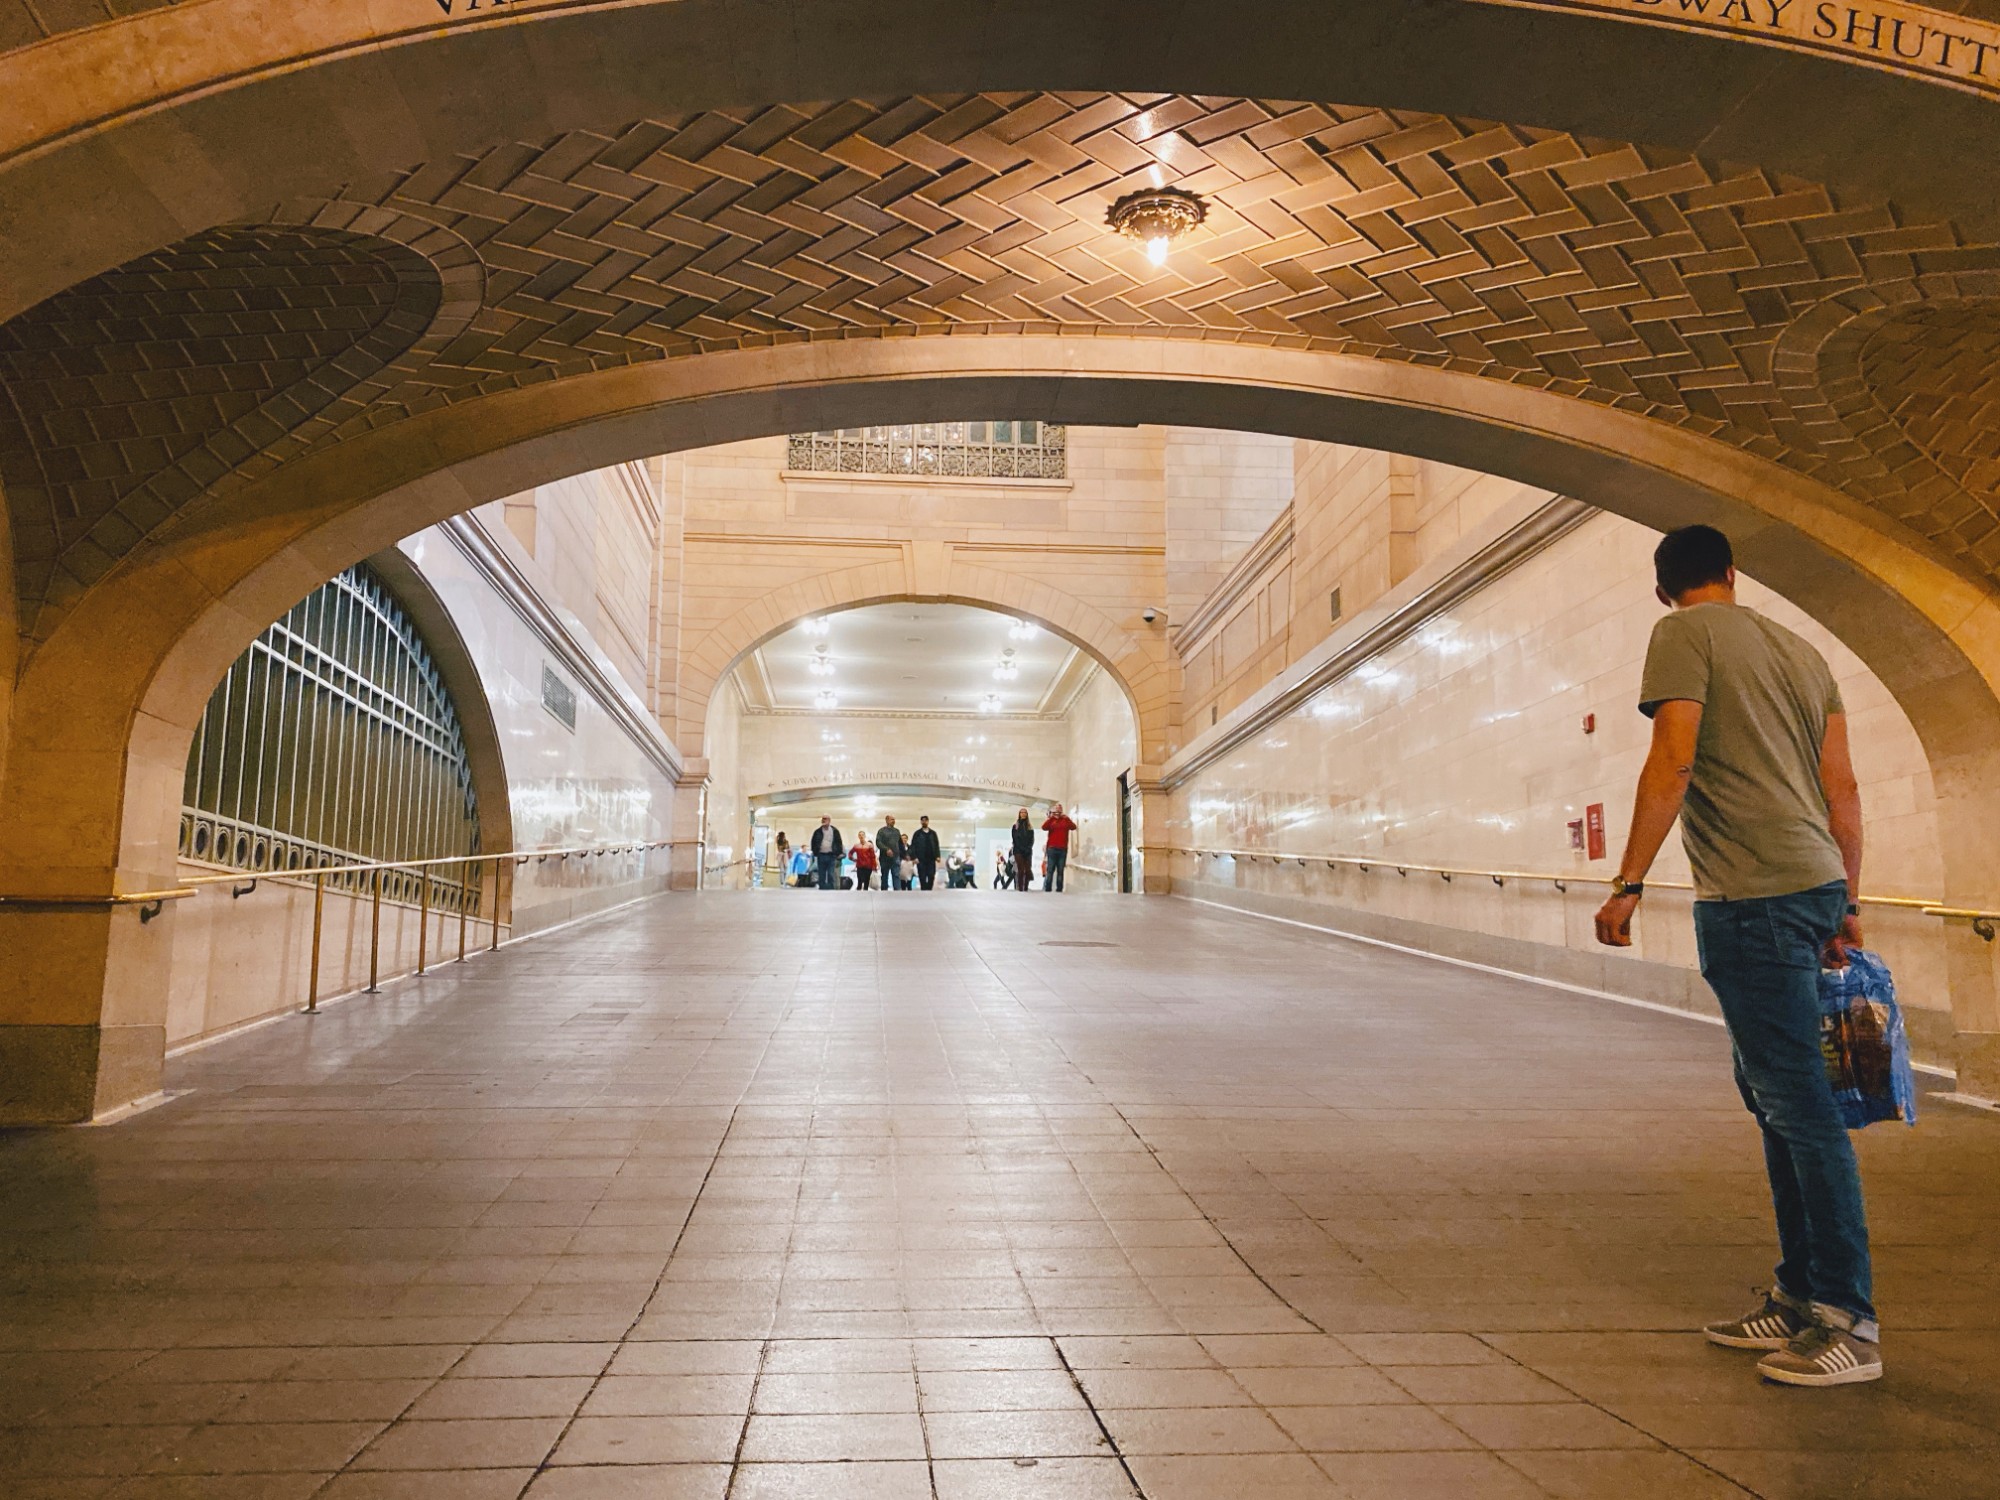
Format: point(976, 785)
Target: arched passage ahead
point(149, 642)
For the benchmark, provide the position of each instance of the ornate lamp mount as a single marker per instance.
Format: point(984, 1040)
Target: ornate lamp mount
point(1157, 216)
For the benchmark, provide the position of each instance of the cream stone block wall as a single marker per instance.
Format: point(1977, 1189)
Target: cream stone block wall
point(1101, 747)
point(595, 543)
point(762, 547)
point(1463, 745)
point(726, 807)
point(1223, 489)
point(1361, 521)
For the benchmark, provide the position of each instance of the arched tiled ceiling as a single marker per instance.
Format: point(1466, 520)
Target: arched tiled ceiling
point(1644, 278)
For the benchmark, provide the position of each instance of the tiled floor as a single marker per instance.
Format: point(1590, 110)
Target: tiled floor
point(780, 1196)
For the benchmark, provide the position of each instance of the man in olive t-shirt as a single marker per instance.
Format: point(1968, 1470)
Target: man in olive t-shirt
point(1750, 751)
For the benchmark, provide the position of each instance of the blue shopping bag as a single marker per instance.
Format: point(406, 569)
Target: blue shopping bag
point(1861, 1036)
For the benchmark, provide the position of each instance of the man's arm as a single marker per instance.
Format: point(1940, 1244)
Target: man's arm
point(1842, 791)
point(1663, 784)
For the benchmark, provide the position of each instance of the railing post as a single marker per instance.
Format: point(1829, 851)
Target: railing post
point(461, 915)
point(495, 948)
point(375, 934)
point(319, 913)
point(423, 916)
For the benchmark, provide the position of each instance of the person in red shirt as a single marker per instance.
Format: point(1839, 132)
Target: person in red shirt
point(864, 864)
point(1058, 826)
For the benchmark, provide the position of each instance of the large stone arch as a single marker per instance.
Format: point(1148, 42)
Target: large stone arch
point(128, 135)
point(105, 707)
point(1136, 659)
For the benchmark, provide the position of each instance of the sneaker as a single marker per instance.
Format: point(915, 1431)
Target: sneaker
point(1772, 1326)
point(1823, 1355)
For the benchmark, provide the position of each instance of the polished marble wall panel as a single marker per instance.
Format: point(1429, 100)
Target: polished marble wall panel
point(1464, 745)
point(1102, 746)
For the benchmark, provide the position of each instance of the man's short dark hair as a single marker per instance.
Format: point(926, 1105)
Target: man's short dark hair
point(1688, 558)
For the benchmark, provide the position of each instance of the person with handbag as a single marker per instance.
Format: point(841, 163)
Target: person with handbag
point(1749, 750)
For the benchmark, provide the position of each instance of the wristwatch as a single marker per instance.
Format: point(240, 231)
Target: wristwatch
point(1623, 887)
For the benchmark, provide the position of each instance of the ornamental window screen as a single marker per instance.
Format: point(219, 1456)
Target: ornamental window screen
point(333, 741)
point(970, 450)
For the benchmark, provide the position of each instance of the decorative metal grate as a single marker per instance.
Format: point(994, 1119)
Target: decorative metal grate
point(970, 450)
point(332, 741)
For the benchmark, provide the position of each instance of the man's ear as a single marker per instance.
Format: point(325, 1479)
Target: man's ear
point(1663, 596)
point(1729, 576)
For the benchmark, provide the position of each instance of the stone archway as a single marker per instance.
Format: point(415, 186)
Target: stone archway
point(235, 102)
point(105, 763)
point(1136, 661)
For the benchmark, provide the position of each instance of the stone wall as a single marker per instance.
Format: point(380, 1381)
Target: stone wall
point(1464, 744)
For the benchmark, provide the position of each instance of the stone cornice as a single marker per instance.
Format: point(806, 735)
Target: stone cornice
point(1374, 631)
point(470, 536)
point(1275, 543)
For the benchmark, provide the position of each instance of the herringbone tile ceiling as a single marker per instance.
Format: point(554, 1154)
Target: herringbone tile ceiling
point(1648, 279)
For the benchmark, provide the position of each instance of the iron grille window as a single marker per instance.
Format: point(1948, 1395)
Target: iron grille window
point(332, 741)
point(972, 450)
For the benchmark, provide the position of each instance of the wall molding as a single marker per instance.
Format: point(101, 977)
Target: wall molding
point(489, 558)
point(1249, 570)
point(1372, 633)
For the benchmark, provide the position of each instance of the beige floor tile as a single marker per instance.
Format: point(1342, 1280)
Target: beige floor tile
point(649, 1440)
point(850, 1481)
point(1265, 1476)
point(641, 1482)
point(1231, 1429)
point(1047, 1479)
point(1015, 1434)
point(840, 1438)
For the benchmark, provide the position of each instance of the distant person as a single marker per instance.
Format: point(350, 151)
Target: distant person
point(1003, 870)
point(1750, 751)
point(864, 865)
point(1024, 852)
point(924, 850)
point(802, 869)
point(1058, 825)
point(889, 850)
point(826, 851)
point(781, 857)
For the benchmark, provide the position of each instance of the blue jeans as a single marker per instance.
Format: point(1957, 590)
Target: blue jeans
point(829, 871)
point(892, 873)
point(1761, 957)
point(1058, 861)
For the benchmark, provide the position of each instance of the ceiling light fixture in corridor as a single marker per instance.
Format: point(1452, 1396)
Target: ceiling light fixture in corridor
point(1008, 669)
point(1158, 217)
point(827, 701)
point(820, 664)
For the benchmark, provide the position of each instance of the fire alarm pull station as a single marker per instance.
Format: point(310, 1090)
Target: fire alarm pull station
point(1593, 827)
point(1576, 834)
point(1590, 723)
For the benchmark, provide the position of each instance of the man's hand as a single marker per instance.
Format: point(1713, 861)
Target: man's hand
point(1834, 955)
point(1614, 921)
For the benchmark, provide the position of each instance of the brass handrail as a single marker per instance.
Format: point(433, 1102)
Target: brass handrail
point(243, 882)
point(1561, 882)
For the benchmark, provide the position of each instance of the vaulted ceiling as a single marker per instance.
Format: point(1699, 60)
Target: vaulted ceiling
point(1845, 339)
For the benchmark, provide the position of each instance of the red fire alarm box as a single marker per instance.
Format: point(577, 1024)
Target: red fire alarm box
point(1576, 834)
point(1593, 828)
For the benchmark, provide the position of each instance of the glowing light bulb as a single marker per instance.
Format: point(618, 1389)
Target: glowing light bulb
point(1156, 249)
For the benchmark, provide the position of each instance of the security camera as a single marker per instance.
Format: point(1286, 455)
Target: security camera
point(1149, 614)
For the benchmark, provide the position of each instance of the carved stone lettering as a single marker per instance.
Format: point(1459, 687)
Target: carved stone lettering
point(1911, 39)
